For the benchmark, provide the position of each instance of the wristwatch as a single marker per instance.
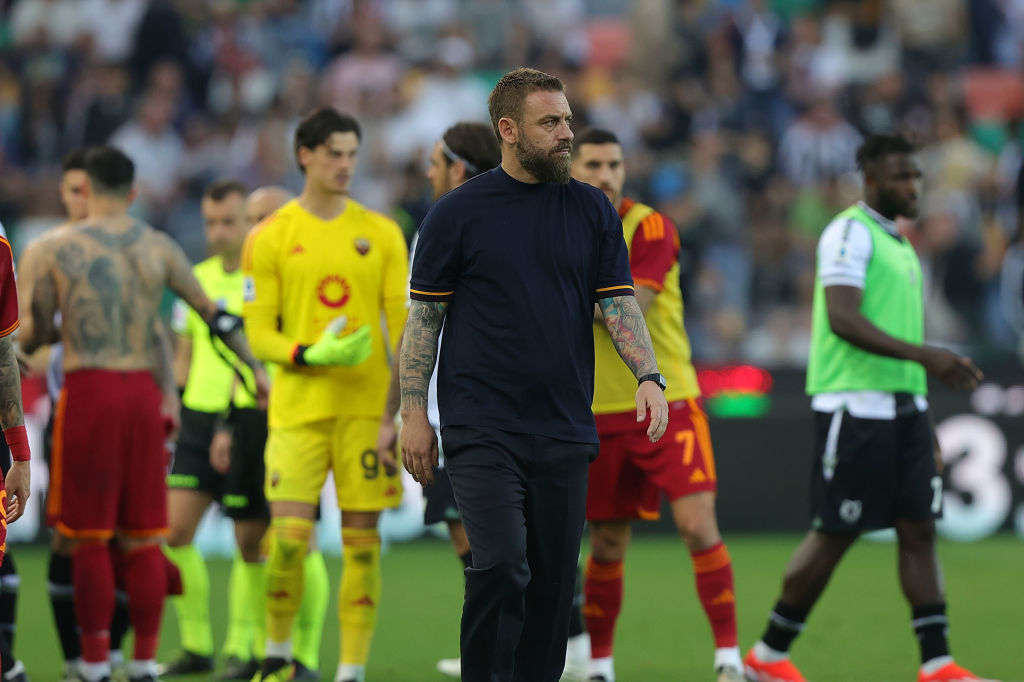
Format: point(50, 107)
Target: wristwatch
point(656, 378)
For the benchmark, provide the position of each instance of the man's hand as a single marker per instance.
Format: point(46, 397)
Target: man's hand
point(220, 451)
point(19, 487)
point(344, 351)
point(387, 439)
point(419, 447)
point(649, 396)
point(956, 371)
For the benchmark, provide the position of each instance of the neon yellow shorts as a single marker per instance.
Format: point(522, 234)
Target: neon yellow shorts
point(299, 457)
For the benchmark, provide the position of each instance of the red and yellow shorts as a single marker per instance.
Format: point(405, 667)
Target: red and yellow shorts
point(630, 472)
point(109, 462)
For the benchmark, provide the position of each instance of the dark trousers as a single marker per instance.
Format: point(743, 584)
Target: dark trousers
point(523, 502)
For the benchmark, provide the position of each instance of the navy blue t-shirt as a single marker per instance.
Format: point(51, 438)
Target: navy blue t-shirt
point(521, 266)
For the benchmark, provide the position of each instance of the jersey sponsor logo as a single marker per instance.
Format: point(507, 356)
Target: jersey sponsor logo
point(850, 511)
point(248, 289)
point(333, 291)
point(362, 245)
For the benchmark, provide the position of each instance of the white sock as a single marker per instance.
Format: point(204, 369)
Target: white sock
point(116, 658)
point(602, 666)
point(349, 671)
point(577, 650)
point(138, 668)
point(928, 667)
point(73, 665)
point(765, 653)
point(279, 649)
point(93, 672)
point(728, 657)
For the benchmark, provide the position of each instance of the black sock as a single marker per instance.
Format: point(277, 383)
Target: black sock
point(62, 601)
point(9, 584)
point(7, 659)
point(931, 627)
point(576, 615)
point(784, 625)
point(120, 622)
point(467, 559)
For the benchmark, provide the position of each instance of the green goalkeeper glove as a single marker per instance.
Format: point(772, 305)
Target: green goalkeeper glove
point(337, 351)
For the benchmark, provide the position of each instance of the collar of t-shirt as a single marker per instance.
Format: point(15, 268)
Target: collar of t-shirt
point(888, 225)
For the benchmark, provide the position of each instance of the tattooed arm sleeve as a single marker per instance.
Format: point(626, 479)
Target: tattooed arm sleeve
point(625, 323)
point(163, 358)
point(183, 282)
point(419, 352)
point(10, 386)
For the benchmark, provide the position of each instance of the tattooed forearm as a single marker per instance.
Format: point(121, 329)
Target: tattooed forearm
point(238, 344)
point(419, 352)
point(625, 323)
point(10, 386)
point(163, 358)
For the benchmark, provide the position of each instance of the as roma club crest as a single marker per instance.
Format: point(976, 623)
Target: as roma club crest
point(333, 291)
point(362, 245)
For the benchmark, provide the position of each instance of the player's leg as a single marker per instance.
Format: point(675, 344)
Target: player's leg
point(309, 622)
point(245, 503)
point(577, 650)
point(682, 464)
point(694, 516)
point(602, 592)
point(617, 493)
point(297, 461)
point(185, 509)
point(852, 486)
point(440, 506)
point(193, 485)
point(11, 668)
point(918, 504)
point(61, 593)
point(487, 473)
point(364, 488)
point(556, 500)
point(143, 520)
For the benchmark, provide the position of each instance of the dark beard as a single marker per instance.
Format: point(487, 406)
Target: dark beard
point(541, 165)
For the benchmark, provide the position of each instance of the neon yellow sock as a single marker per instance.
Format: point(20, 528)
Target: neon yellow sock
point(238, 640)
point(359, 594)
point(193, 606)
point(309, 624)
point(284, 575)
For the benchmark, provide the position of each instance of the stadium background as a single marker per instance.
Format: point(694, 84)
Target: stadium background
point(738, 119)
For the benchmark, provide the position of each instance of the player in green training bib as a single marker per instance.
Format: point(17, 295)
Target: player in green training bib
point(877, 461)
point(219, 457)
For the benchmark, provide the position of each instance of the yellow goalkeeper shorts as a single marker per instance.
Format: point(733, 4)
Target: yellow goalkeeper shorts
point(299, 457)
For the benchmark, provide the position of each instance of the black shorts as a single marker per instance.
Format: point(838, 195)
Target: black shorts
point(440, 499)
point(240, 491)
point(869, 472)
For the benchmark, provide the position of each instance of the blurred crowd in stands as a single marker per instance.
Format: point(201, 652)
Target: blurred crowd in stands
point(739, 119)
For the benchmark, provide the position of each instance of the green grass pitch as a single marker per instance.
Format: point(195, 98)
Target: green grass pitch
point(859, 633)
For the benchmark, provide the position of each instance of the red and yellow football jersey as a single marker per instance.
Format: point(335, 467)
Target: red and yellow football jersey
point(301, 272)
point(654, 260)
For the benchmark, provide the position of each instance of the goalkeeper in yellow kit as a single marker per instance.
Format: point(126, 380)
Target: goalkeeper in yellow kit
point(321, 275)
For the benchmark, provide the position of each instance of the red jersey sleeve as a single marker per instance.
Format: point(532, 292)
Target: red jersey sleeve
point(8, 290)
point(654, 251)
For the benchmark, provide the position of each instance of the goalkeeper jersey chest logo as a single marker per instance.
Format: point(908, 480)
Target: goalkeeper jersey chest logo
point(362, 245)
point(333, 291)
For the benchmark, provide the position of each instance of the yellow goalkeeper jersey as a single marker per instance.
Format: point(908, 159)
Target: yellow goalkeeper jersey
point(301, 272)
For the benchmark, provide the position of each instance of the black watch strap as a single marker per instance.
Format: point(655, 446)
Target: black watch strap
point(656, 378)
